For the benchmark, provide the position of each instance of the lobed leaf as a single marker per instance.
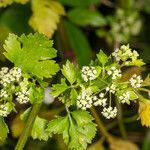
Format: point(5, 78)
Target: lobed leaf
point(39, 129)
point(77, 128)
point(32, 53)
point(47, 17)
point(57, 89)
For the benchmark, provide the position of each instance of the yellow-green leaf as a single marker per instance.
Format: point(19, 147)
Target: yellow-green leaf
point(46, 16)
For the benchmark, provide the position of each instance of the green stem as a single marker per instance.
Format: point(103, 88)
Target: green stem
point(144, 90)
point(120, 121)
point(26, 132)
point(100, 124)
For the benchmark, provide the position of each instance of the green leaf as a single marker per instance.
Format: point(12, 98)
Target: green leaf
point(138, 62)
point(78, 43)
point(69, 72)
point(77, 128)
point(73, 96)
point(47, 17)
point(132, 95)
point(86, 17)
point(57, 89)
point(24, 116)
point(36, 95)
point(102, 57)
point(4, 130)
point(82, 117)
point(82, 132)
point(39, 129)
point(32, 53)
point(79, 2)
point(59, 126)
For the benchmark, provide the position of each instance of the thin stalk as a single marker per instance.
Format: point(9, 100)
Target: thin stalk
point(120, 121)
point(144, 90)
point(29, 123)
point(100, 124)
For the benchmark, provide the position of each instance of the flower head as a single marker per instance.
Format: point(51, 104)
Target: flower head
point(124, 98)
point(116, 73)
point(125, 53)
point(84, 100)
point(4, 110)
point(88, 73)
point(109, 112)
point(111, 88)
point(100, 101)
point(136, 81)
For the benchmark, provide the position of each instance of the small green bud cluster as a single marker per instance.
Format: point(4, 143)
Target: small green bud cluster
point(125, 54)
point(124, 25)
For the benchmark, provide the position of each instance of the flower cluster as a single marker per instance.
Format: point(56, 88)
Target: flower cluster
point(12, 83)
point(124, 98)
point(101, 101)
point(116, 73)
point(125, 53)
point(4, 110)
point(136, 81)
point(111, 88)
point(84, 99)
point(23, 94)
point(3, 93)
point(109, 112)
point(8, 76)
point(88, 73)
point(122, 25)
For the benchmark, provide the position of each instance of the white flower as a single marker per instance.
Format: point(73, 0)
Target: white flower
point(3, 111)
point(8, 76)
point(23, 94)
point(101, 101)
point(84, 100)
point(116, 73)
point(136, 81)
point(111, 88)
point(109, 112)
point(88, 73)
point(3, 93)
point(124, 98)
